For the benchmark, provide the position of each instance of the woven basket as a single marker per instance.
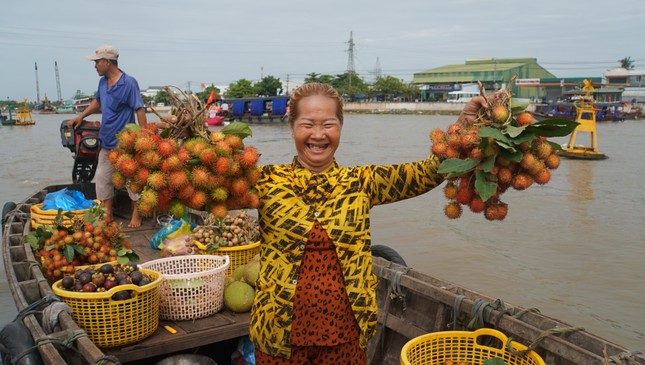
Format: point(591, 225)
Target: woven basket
point(192, 287)
point(438, 347)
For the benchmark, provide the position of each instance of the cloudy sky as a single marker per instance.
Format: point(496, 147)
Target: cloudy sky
point(188, 43)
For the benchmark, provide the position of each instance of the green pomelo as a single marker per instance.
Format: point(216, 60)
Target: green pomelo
point(227, 281)
point(251, 271)
point(238, 273)
point(238, 297)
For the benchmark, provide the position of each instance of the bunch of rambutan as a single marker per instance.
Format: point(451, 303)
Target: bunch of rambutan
point(213, 172)
point(504, 148)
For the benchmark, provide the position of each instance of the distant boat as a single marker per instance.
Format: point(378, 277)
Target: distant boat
point(81, 104)
point(23, 116)
point(258, 109)
point(66, 108)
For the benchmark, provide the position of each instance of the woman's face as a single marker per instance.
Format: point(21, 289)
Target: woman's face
point(316, 132)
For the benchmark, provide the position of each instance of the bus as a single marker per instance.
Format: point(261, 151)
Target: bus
point(461, 96)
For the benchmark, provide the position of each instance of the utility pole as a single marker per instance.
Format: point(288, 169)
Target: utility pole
point(287, 93)
point(377, 69)
point(60, 97)
point(350, 58)
point(37, 87)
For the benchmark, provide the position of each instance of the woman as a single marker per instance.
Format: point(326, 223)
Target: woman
point(315, 300)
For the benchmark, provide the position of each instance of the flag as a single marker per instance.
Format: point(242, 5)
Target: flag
point(211, 98)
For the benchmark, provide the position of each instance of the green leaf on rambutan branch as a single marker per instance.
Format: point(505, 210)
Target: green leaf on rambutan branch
point(68, 252)
point(515, 155)
point(489, 163)
point(513, 131)
point(485, 184)
point(456, 166)
point(518, 106)
point(554, 127)
point(240, 129)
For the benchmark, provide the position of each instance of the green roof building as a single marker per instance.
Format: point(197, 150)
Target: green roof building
point(493, 73)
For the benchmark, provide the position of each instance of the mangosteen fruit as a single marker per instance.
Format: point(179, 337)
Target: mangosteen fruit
point(67, 282)
point(106, 269)
point(136, 277)
point(85, 277)
point(121, 295)
point(109, 284)
point(89, 287)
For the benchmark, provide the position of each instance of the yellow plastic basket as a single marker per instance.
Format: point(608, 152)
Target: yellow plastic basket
point(192, 287)
point(111, 323)
point(39, 216)
point(438, 347)
point(239, 255)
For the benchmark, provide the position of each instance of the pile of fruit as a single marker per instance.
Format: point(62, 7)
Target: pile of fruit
point(504, 148)
point(239, 289)
point(229, 231)
point(186, 165)
point(90, 239)
point(105, 277)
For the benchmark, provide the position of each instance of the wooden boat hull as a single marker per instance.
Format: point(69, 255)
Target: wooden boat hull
point(410, 304)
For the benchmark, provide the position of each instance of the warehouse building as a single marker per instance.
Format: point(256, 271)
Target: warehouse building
point(493, 73)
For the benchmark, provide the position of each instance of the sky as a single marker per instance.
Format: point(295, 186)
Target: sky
point(188, 43)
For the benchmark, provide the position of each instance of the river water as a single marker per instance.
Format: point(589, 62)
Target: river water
point(573, 248)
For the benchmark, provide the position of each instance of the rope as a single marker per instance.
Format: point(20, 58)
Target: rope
point(539, 339)
point(626, 358)
point(481, 312)
point(64, 344)
point(108, 359)
point(395, 292)
point(455, 310)
point(31, 307)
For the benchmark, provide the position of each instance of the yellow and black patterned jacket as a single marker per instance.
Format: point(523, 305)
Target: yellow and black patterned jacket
point(291, 199)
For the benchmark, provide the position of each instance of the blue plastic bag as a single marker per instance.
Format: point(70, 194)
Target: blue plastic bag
point(175, 228)
point(67, 200)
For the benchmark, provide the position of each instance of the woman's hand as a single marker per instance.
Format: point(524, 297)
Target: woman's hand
point(468, 115)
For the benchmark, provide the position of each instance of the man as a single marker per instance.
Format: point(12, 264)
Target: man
point(118, 99)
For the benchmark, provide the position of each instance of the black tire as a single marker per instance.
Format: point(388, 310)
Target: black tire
point(388, 253)
point(8, 207)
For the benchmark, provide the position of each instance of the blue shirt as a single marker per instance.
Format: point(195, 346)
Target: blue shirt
point(118, 105)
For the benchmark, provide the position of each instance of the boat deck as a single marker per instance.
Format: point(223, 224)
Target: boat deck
point(217, 333)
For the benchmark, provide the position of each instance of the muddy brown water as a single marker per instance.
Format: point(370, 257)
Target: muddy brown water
point(573, 248)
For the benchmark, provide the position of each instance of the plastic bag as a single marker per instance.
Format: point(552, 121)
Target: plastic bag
point(67, 200)
point(176, 246)
point(245, 353)
point(176, 227)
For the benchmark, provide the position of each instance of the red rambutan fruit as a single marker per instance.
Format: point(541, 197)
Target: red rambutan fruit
point(223, 149)
point(524, 118)
point(149, 197)
point(144, 143)
point(454, 128)
point(502, 210)
point(452, 210)
point(249, 157)
point(450, 190)
point(142, 175)
point(135, 187)
point(185, 192)
point(208, 156)
point(219, 194)
point(198, 199)
point(219, 210)
point(252, 176)
point(437, 135)
point(150, 159)
point(521, 181)
point(127, 167)
point(543, 150)
point(464, 195)
point(439, 149)
point(171, 163)
point(177, 179)
point(113, 156)
point(239, 187)
point(166, 147)
point(183, 154)
point(500, 113)
point(200, 177)
point(491, 212)
point(125, 140)
point(504, 175)
point(118, 180)
point(528, 160)
point(553, 161)
point(543, 176)
point(477, 205)
point(157, 180)
point(452, 152)
point(234, 141)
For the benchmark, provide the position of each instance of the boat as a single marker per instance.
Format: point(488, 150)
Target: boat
point(66, 107)
point(81, 103)
point(23, 116)
point(411, 304)
point(46, 107)
point(258, 109)
point(605, 112)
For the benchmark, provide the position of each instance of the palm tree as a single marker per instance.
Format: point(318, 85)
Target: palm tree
point(627, 63)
